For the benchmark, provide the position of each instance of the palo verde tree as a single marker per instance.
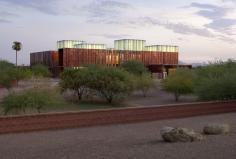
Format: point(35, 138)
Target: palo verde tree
point(109, 82)
point(216, 81)
point(144, 83)
point(17, 47)
point(141, 76)
point(75, 80)
point(135, 67)
point(179, 83)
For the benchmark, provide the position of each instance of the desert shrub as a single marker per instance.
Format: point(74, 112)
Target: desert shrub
point(40, 71)
point(143, 83)
point(110, 83)
point(34, 98)
point(216, 81)
point(75, 80)
point(141, 75)
point(22, 73)
point(179, 83)
point(134, 67)
point(107, 82)
point(7, 74)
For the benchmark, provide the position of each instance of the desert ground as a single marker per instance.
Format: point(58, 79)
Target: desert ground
point(131, 141)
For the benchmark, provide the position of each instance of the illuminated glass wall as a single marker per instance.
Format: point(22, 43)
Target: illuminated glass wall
point(162, 48)
point(91, 46)
point(68, 43)
point(130, 44)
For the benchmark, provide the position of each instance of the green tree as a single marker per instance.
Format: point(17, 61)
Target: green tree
point(111, 83)
point(216, 81)
point(17, 47)
point(179, 83)
point(75, 80)
point(144, 83)
point(134, 67)
point(142, 77)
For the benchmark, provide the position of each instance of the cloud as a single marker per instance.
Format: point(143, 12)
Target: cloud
point(227, 39)
point(4, 21)
point(111, 36)
point(106, 11)
point(217, 16)
point(175, 27)
point(233, 1)
point(45, 6)
point(6, 16)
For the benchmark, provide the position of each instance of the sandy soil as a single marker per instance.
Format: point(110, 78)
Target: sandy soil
point(128, 141)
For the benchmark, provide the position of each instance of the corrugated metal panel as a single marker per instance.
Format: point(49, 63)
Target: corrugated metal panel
point(48, 58)
point(78, 57)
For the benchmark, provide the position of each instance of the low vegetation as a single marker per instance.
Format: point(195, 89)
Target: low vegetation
point(216, 81)
point(32, 99)
point(109, 83)
point(40, 71)
point(141, 76)
point(7, 74)
point(134, 67)
point(180, 82)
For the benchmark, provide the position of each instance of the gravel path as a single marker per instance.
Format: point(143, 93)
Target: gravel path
point(127, 141)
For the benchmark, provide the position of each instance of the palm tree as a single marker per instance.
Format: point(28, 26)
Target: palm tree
point(17, 47)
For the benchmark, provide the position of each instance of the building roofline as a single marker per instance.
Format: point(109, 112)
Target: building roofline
point(130, 39)
point(161, 45)
point(71, 40)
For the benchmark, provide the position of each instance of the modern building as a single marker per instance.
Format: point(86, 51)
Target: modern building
point(130, 44)
point(162, 48)
point(159, 59)
point(90, 46)
point(68, 43)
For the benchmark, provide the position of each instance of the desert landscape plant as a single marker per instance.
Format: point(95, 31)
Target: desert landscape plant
point(110, 83)
point(216, 81)
point(35, 99)
point(75, 80)
point(7, 74)
point(179, 83)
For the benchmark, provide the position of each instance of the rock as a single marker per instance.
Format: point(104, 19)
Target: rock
point(181, 135)
point(166, 130)
point(216, 129)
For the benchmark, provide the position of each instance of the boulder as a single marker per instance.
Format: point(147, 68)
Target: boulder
point(166, 130)
point(180, 135)
point(216, 129)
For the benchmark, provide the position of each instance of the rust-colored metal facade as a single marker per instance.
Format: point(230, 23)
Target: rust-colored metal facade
point(48, 58)
point(157, 62)
point(80, 57)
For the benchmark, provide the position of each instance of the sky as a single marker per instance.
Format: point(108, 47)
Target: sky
point(205, 30)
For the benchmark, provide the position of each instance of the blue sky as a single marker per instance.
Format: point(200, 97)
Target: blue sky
point(205, 30)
